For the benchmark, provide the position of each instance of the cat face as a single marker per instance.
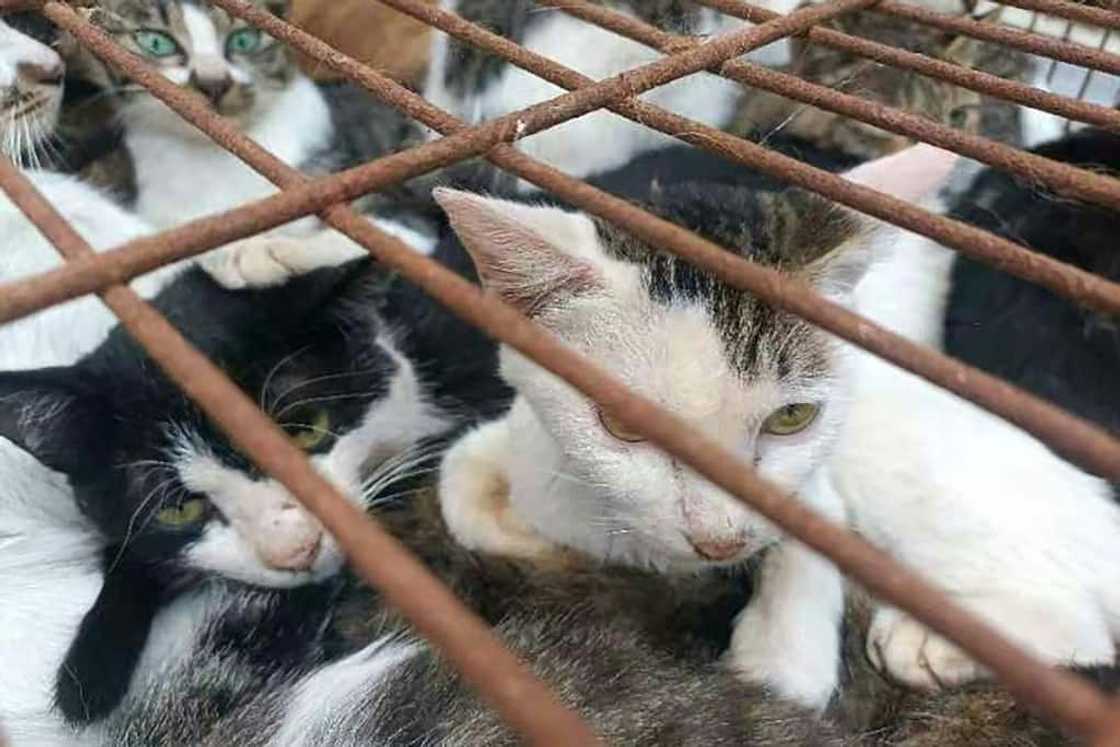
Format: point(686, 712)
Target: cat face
point(767, 386)
point(30, 84)
point(237, 68)
point(166, 488)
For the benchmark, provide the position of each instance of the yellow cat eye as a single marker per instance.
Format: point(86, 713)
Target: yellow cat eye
point(785, 421)
point(185, 514)
point(614, 426)
point(309, 435)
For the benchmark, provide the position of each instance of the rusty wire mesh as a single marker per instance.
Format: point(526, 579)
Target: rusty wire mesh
point(522, 700)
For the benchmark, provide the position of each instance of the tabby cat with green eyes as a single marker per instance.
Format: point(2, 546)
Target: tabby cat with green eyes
point(252, 79)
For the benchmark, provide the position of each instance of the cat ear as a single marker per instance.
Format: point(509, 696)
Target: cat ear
point(911, 174)
point(529, 255)
point(94, 677)
point(44, 413)
point(836, 274)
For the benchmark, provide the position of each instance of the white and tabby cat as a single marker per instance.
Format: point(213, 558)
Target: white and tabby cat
point(254, 80)
point(943, 485)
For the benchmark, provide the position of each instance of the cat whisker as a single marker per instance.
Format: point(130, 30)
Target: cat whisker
point(319, 400)
point(316, 380)
point(264, 404)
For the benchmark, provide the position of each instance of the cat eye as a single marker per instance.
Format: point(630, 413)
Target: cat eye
point(185, 514)
point(785, 421)
point(244, 41)
point(614, 426)
point(311, 432)
point(156, 43)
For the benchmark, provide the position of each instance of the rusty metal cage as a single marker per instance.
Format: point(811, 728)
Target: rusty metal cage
point(523, 701)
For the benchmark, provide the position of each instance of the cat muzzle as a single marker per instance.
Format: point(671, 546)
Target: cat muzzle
point(288, 539)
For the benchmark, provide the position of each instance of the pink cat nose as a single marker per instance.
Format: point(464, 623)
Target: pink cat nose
point(291, 540)
point(718, 549)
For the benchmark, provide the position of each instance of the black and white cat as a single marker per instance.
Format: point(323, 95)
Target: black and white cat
point(254, 80)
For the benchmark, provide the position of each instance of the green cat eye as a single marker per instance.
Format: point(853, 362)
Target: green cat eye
point(156, 43)
point(312, 432)
point(785, 421)
point(185, 514)
point(244, 41)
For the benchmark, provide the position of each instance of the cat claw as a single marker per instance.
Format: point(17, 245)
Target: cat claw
point(908, 652)
point(267, 261)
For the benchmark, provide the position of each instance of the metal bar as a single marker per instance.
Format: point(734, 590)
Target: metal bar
point(981, 245)
point(1065, 51)
point(973, 80)
point(1079, 441)
point(1063, 178)
point(1109, 19)
point(524, 701)
point(1082, 708)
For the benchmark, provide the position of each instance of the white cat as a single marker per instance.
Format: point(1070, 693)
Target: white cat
point(1007, 528)
point(559, 471)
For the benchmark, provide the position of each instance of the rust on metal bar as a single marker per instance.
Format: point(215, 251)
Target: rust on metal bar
point(1072, 701)
point(1060, 177)
point(1071, 282)
point(1026, 41)
point(437, 614)
point(1103, 17)
point(973, 80)
point(1079, 441)
point(663, 428)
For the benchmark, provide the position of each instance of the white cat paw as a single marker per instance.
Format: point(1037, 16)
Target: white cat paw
point(266, 261)
point(804, 677)
point(474, 498)
point(910, 653)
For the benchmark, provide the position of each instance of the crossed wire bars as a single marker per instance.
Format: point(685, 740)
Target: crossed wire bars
point(524, 701)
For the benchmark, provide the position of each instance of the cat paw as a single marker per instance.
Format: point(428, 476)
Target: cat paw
point(474, 498)
point(759, 659)
point(266, 261)
point(908, 652)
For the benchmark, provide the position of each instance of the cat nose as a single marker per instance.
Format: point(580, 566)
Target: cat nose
point(291, 540)
point(718, 548)
point(48, 73)
point(213, 88)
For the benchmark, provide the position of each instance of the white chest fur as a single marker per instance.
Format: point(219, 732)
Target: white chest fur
point(181, 178)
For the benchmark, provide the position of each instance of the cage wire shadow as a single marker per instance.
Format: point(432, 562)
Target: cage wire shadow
point(507, 685)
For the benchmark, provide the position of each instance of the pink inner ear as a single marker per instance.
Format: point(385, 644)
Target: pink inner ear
point(514, 258)
point(911, 174)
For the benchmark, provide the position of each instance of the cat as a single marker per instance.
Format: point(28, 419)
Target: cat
point(174, 503)
point(1046, 343)
point(477, 86)
point(50, 555)
point(921, 488)
point(253, 80)
point(769, 386)
point(761, 113)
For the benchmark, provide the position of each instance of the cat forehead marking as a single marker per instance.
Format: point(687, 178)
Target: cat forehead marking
point(786, 231)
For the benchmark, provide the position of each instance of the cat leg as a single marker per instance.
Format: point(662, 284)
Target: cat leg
point(474, 496)
point(273, 259)
point(788, 637)
point(1059, 631)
